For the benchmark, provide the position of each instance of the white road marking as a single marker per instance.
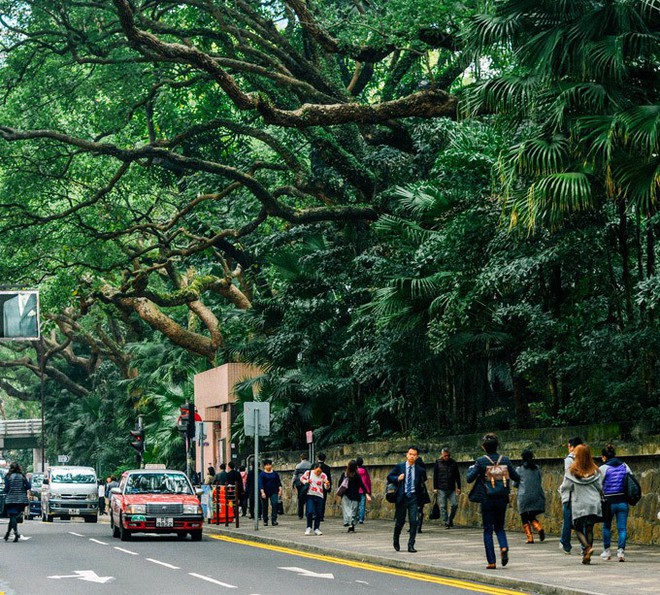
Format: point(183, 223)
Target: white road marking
point(97, 541)
point(76, 534)
point(163, 564)
point(86, 575)
point(303, 572)
point(362, 582)
point(212, 580)
point(121, 549)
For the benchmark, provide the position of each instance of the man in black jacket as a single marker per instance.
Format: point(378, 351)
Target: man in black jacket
point(447, 485)
point(409, 477)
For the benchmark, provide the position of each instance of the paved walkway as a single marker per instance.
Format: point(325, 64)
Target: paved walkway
point(459, 553)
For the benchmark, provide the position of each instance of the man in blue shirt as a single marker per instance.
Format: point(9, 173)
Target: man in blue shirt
point(270, 489)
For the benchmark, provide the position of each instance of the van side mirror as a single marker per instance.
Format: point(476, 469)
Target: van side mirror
point(115, 491)
point(45, 482)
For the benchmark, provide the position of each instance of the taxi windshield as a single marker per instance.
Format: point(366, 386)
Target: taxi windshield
point(72, 477)
point(158, 483)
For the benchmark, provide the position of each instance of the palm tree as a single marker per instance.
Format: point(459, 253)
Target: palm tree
point(585, 85)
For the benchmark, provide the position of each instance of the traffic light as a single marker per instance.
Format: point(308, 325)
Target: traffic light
point(190, 430)
point(137, 441)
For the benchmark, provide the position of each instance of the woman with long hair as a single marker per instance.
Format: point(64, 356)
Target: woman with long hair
point(16, 489)
point(531, 498)
point(349, 490)
point(583, 487)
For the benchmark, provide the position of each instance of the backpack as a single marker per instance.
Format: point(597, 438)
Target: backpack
point(632, 489)
point(496, 478)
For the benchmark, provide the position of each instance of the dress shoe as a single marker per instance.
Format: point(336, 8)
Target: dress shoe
point(16, 537)
point(505, 556)
point(411, 549)
point(351, 529)
point(491, 567)
point(397, 547)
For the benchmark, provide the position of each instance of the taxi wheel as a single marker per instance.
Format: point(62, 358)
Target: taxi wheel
point(124, 534)
point(181, 535)
point(115, 529)
point(196, 535)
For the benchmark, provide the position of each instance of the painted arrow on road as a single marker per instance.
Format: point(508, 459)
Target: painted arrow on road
point(303, 572)
point(85, 575)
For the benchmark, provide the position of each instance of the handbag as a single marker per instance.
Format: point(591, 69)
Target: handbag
point(434, 515)
point(343, 487)
point(280, 507)
point(632, 489)
point(425, 498)
point(390, 492)
point(478, 492)
point(19, 518)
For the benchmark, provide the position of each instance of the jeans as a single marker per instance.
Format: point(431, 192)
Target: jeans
point(314, 511)
point(618, 510)
point(363, 507)
point(407, 505)
point(493, 512)
point(565, 539)
point(274, 500)
point(445, 498)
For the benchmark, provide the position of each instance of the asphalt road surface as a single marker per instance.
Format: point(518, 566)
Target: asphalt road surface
point(72, 558)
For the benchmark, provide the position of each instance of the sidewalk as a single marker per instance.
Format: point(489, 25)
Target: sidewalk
point(459, 553)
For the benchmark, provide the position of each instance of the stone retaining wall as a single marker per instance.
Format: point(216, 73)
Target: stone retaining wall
point(641, 451)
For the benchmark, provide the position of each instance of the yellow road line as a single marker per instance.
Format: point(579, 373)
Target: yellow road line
point(417, 576)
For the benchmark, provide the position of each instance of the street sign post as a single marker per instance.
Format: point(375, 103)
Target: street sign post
point(256, 422)
point(62, 458)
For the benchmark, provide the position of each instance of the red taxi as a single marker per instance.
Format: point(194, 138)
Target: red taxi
point(155, 501)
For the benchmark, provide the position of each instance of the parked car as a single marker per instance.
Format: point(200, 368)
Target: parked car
point(34, 495)
point(68, 492)
point(155, 501)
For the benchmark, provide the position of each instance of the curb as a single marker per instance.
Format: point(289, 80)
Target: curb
point(492, 579)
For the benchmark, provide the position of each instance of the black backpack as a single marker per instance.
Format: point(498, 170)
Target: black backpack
point(632, 489)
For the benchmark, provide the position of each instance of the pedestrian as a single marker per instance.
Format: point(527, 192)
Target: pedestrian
point(221, 478)
point(210, 475)
point(16, 498)
point(493, 474)
point(249, 485)
point(615, 505)
point(244, 493)
point(101, 493)
point(349, 491)
point(447, 486)
point(531, 498)
point(366, 480)
point(234, 480)
point(317, 483)
point(111, 482)
point(567, 522)
point(301, 467)
point(270, 488)
point(409, 478)
point(583, 488)
point(328, 472)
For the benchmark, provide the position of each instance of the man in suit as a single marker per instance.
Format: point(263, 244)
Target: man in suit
point(20, 316)
point(409, 477)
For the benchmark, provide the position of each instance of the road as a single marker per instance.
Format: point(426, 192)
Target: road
point(72, 558)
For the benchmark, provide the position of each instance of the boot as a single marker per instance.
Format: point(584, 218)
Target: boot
point(7, 534)
point(528, 531)
point(16, 537)
point(539, 529)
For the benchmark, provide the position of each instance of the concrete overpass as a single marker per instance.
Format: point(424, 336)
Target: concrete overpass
point(20, 433)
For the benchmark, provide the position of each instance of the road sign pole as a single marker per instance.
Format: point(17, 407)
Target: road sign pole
point(256, 469)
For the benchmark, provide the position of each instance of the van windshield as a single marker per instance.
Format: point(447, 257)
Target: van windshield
point(73, 477)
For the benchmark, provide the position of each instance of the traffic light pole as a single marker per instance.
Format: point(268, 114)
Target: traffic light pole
point(140, 456)
point(190, 439)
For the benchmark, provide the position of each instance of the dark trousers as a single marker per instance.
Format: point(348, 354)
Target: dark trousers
point(302, 497)
point(493, 513)
point(407, 505)
point(565, 538)
point(325, 499)
point(314, 511)
point(101, 505)
point(273, 499)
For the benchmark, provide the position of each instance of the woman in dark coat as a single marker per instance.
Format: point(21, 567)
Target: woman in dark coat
point(531, 498)
point(16, 489)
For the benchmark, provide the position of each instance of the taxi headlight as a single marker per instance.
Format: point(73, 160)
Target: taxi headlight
point(136, 509)
point(192, 509)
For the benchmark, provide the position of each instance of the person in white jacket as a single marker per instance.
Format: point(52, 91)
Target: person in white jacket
point(583, 488)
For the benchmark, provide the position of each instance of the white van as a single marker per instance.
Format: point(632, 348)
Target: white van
point(70, 491)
